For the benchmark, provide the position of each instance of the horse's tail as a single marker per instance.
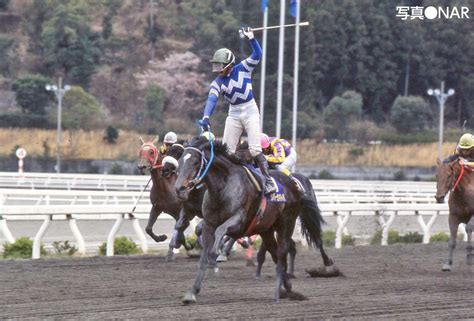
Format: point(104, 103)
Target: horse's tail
point(310, 214)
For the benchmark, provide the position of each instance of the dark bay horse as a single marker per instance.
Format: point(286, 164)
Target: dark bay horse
point(162, 194)
point(195, 198)
point(458, 178)
point(230, 205)
point(244, 154)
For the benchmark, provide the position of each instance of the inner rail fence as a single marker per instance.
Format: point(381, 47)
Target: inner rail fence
point(138, 182)
point(21, 204)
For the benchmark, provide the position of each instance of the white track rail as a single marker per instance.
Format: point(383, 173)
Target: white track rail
point(105, 197)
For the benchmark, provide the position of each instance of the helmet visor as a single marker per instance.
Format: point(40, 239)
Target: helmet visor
point(217, 67)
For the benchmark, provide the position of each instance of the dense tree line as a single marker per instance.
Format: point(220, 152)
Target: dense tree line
point(356, 61)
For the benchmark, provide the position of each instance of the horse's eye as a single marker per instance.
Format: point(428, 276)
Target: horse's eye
point(152, 152)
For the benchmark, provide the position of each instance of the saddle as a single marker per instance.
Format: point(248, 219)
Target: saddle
point(259, 181)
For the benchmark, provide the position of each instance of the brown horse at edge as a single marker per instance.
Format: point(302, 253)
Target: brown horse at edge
point(458, 178)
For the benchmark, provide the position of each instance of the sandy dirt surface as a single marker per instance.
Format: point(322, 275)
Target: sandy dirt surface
point(392, 282)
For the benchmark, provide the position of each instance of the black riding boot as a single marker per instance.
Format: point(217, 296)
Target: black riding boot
point(263, 165)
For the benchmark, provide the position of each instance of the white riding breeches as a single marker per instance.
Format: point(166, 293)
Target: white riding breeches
point(289, 162)
point(245, 116)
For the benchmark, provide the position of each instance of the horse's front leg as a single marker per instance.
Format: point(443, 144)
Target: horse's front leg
point(154, 213)
point(453, 232)
point(469, 229)
point(233, 224)
point(181, 225)
point(175, 239)
point(207, 241)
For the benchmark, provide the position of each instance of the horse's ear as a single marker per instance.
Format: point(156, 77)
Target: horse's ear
point(156, 140)
point(141, 140)
point(438, 161)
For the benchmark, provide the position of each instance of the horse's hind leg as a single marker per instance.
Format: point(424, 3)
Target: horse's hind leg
point(226, 246)
point(453, 231)
point(292, 252)
point(469, 229)
point(326, 259)
point(283, 241)
point(268, 244)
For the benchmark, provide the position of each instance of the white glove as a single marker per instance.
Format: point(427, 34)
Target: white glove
point(246, 33)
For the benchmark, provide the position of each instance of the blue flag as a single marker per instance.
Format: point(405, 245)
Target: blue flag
point(264, 5)
point(293, 8)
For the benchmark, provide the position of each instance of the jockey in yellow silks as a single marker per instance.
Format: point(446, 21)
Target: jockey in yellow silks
point(279, 153)
point(465, 149)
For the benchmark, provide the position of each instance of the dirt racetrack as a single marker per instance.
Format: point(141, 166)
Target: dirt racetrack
point(392, 282)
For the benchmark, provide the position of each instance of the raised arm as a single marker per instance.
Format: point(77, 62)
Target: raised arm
point(251, 62)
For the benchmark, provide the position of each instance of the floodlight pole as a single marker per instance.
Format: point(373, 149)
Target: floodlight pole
point(441, 96)
point(59, 91)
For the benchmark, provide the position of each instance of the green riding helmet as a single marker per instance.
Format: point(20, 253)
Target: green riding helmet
point(222, 59)
point(466, 141)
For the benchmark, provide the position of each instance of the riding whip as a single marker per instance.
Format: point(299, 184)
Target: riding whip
point(301, 24)
point(138, 199)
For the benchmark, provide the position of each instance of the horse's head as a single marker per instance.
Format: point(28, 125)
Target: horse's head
point(446, 175)
point(148, 155)
point(170, 161)
point(190, 167)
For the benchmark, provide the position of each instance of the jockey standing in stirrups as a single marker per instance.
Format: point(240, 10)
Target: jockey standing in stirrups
point(234, 82)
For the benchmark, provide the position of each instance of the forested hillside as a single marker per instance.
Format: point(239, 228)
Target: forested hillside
point(133, 65)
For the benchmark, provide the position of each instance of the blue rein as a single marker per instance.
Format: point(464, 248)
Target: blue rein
point(210, 158)
point(204, 162)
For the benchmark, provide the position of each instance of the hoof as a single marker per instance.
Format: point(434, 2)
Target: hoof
point(446, 268)
point(221, 258)
point(189, 298)
point(170, 257)
point(250, 263)
point(161, 238)
point(324, 272)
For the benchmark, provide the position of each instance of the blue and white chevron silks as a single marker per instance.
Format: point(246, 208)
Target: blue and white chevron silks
point(238, 91)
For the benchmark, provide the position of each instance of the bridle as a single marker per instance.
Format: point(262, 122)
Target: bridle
point(203, 167)
point(454, 181)
point(151, 160)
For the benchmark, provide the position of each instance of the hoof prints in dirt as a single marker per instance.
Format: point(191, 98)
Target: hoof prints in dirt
point(394, 282)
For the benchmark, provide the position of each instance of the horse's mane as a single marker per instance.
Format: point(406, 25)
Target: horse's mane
point(219, 148)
